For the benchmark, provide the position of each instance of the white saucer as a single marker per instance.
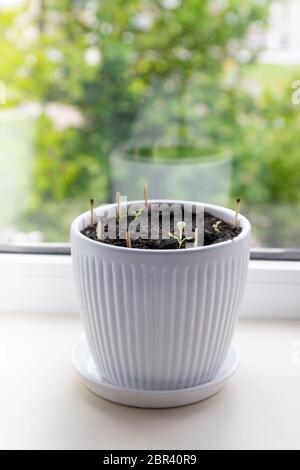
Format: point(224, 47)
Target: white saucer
point(85, 367)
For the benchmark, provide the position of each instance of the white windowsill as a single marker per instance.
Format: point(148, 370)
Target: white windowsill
point(43, 404)
point(42, 400)
point(44, 284)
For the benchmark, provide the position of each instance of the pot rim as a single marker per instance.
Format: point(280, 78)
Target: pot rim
point(245, 225)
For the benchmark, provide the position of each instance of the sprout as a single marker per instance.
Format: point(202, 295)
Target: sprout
point(181, 226)
point(216, 226)
point(138, 213)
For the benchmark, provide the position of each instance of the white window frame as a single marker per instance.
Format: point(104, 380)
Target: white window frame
point(44, 284)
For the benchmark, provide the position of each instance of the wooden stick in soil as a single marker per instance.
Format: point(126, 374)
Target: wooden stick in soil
point(237, 213)
point(118, 206)
point(99, 230)
point(146, 196)
point(128, 239)
point(196, 239)
point(92, 205)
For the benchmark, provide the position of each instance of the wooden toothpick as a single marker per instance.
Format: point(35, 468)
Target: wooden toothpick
point(196, 239)
point(146, 196)
point(99, 229)
point(118, 206)
point(92, 205)
point(128, 239)
point(237, 213)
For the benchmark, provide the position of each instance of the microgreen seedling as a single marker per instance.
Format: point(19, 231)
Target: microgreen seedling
point(138, 213)
point(216, 226)
point(128, 239)
point(180, 239)
point(118, 206)
point(146, 196)
point(92, 206)
point(237, 213)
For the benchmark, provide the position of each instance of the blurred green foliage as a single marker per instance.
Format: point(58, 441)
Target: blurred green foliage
point(164, 70)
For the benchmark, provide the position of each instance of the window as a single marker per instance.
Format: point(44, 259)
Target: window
point(199, 99)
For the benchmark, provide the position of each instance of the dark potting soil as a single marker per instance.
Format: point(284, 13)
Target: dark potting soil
point(216, 231)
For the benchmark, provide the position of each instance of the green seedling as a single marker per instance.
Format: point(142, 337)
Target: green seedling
point(180, 239)
point(138, 213)
point(216, 226)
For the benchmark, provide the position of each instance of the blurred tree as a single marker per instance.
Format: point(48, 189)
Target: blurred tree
point(109, 58)
point(156, 67)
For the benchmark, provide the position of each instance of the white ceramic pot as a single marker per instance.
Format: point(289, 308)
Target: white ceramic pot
point(160, 320)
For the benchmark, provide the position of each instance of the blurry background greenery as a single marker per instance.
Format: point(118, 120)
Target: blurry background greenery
point(82, 70)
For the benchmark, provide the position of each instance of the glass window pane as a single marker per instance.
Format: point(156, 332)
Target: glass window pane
point(199, 99)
